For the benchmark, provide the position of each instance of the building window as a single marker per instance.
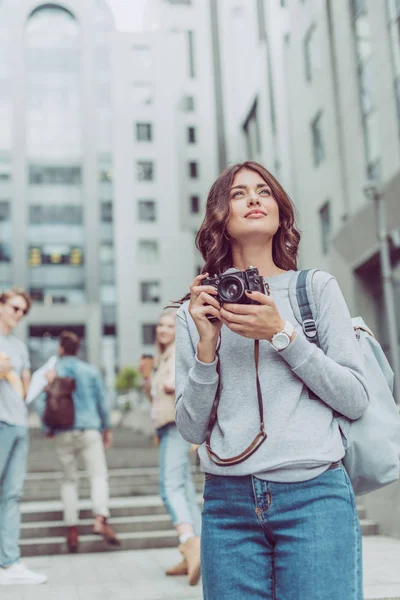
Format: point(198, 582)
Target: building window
point(194, 205)
point(106, 212)
point(363, 51)
point(193, 170)
point(142, 94)
point(148, 334)
point(317, 140)
point(45, 214)
point(190, 41)
point(188, 103)
point(105, 175)
point(191, 135)
point(142, 56)
point(310, 53)
point(148, 252)
point(5, 171)
point(39, 175)
point(55, 255)
point(147, 210)
point(150, 292)
point(251, 130)
point(325, 225)
point(144, 132)
point(145, 170)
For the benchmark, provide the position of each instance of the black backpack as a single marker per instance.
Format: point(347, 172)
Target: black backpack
point(60, 412)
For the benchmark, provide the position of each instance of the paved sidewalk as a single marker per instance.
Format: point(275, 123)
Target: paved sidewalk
point(138, 575)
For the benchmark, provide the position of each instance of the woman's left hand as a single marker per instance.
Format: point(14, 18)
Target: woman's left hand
point(256, 321)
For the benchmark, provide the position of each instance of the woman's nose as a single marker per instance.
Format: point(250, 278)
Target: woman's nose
point(253, 199)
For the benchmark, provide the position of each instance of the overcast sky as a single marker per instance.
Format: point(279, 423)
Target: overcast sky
point(128, 14)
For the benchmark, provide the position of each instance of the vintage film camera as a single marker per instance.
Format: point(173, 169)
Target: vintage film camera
point(232, 284)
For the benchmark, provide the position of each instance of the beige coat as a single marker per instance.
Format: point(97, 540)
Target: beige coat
point(163, 404)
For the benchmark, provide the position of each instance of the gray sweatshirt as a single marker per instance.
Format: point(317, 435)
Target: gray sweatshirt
point(303, 435)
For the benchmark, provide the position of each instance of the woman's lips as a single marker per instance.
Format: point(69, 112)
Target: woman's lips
point(257, 215)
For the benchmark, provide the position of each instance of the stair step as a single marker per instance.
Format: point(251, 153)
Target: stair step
point(144, 523)
point(45, 546)
point(33, 512)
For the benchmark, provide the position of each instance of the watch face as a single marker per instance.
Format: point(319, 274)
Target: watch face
point(281, 341)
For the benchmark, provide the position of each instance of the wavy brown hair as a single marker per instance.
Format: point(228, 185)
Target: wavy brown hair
point(212, 239)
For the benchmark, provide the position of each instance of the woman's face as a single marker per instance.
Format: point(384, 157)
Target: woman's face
point(165, 332)
point(253, 209)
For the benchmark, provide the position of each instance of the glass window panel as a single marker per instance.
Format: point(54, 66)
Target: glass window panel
point(325, 225)
point(148, 333)
point(193, 170)
point(144, 132)
point(147, 210)
point(54, 175)
point(150, 291)
point(142, 94)
point(145, 170)
point(194, 204)
point(191, 135)
point(148, 251)
point(106, 212)
point(317, 140)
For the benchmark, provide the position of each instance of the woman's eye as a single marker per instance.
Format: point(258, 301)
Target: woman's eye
point(266, 191)
point(237, 193)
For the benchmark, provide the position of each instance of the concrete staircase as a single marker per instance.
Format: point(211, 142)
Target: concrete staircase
point(137, 513)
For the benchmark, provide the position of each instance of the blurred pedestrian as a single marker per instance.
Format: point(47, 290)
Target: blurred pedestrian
point(279, 516)
point(88, 437)
point(14, 382)
point(177, 489)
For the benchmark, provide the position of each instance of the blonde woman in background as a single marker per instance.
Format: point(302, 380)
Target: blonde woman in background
point(176, 485)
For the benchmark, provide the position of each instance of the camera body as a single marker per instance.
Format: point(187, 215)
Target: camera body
point(232, 284)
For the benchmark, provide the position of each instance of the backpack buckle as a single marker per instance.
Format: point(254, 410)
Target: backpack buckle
point(310, 328)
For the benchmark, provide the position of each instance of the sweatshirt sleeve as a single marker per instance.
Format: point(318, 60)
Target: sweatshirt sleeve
point(336, 373)
point(195, 386)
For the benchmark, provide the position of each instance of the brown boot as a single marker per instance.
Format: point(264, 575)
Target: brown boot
point(179, 569)
point(72, 538)
point(191, 552)
point(101, 527)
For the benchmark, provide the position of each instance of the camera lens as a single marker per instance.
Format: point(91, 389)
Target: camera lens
point(231, 289)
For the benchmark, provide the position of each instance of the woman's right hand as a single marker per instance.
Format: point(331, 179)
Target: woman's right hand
point(202, 303)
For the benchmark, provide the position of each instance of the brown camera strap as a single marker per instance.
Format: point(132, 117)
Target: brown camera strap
point(260, 437)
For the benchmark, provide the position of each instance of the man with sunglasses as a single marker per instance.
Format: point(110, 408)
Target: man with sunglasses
point(14, 382)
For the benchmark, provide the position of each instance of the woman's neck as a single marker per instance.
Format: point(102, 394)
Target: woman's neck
point(255, 255)
point(4, 329)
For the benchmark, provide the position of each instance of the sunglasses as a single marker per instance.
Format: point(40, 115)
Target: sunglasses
point(16, 309)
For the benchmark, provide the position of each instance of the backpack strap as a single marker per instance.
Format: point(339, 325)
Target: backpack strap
point(303, 304)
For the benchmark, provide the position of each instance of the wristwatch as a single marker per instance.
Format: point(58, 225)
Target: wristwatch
point(282, 339)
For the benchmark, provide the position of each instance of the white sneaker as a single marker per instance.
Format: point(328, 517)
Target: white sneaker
point(19, 574)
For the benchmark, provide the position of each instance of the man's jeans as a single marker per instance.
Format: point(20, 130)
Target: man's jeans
point(89, 445)
point(176, 484)
point(13, 455)
point(281, 541)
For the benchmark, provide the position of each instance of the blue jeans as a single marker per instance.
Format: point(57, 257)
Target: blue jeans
point(281, 541)
point(13, 455)
point(177, 489)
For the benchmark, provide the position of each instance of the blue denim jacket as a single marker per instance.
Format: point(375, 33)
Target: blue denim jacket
point(90, 400)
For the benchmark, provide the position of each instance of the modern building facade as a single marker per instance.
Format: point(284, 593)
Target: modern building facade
point(107, 149)
point(165, 160)
point(311, 89)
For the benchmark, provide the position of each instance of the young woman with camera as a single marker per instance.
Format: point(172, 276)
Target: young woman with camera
point(176, 484)
point(279, 518)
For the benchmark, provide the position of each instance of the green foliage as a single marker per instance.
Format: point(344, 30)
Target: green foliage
point(127, 379)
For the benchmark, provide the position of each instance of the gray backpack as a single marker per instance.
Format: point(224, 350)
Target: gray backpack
point(372, 443)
